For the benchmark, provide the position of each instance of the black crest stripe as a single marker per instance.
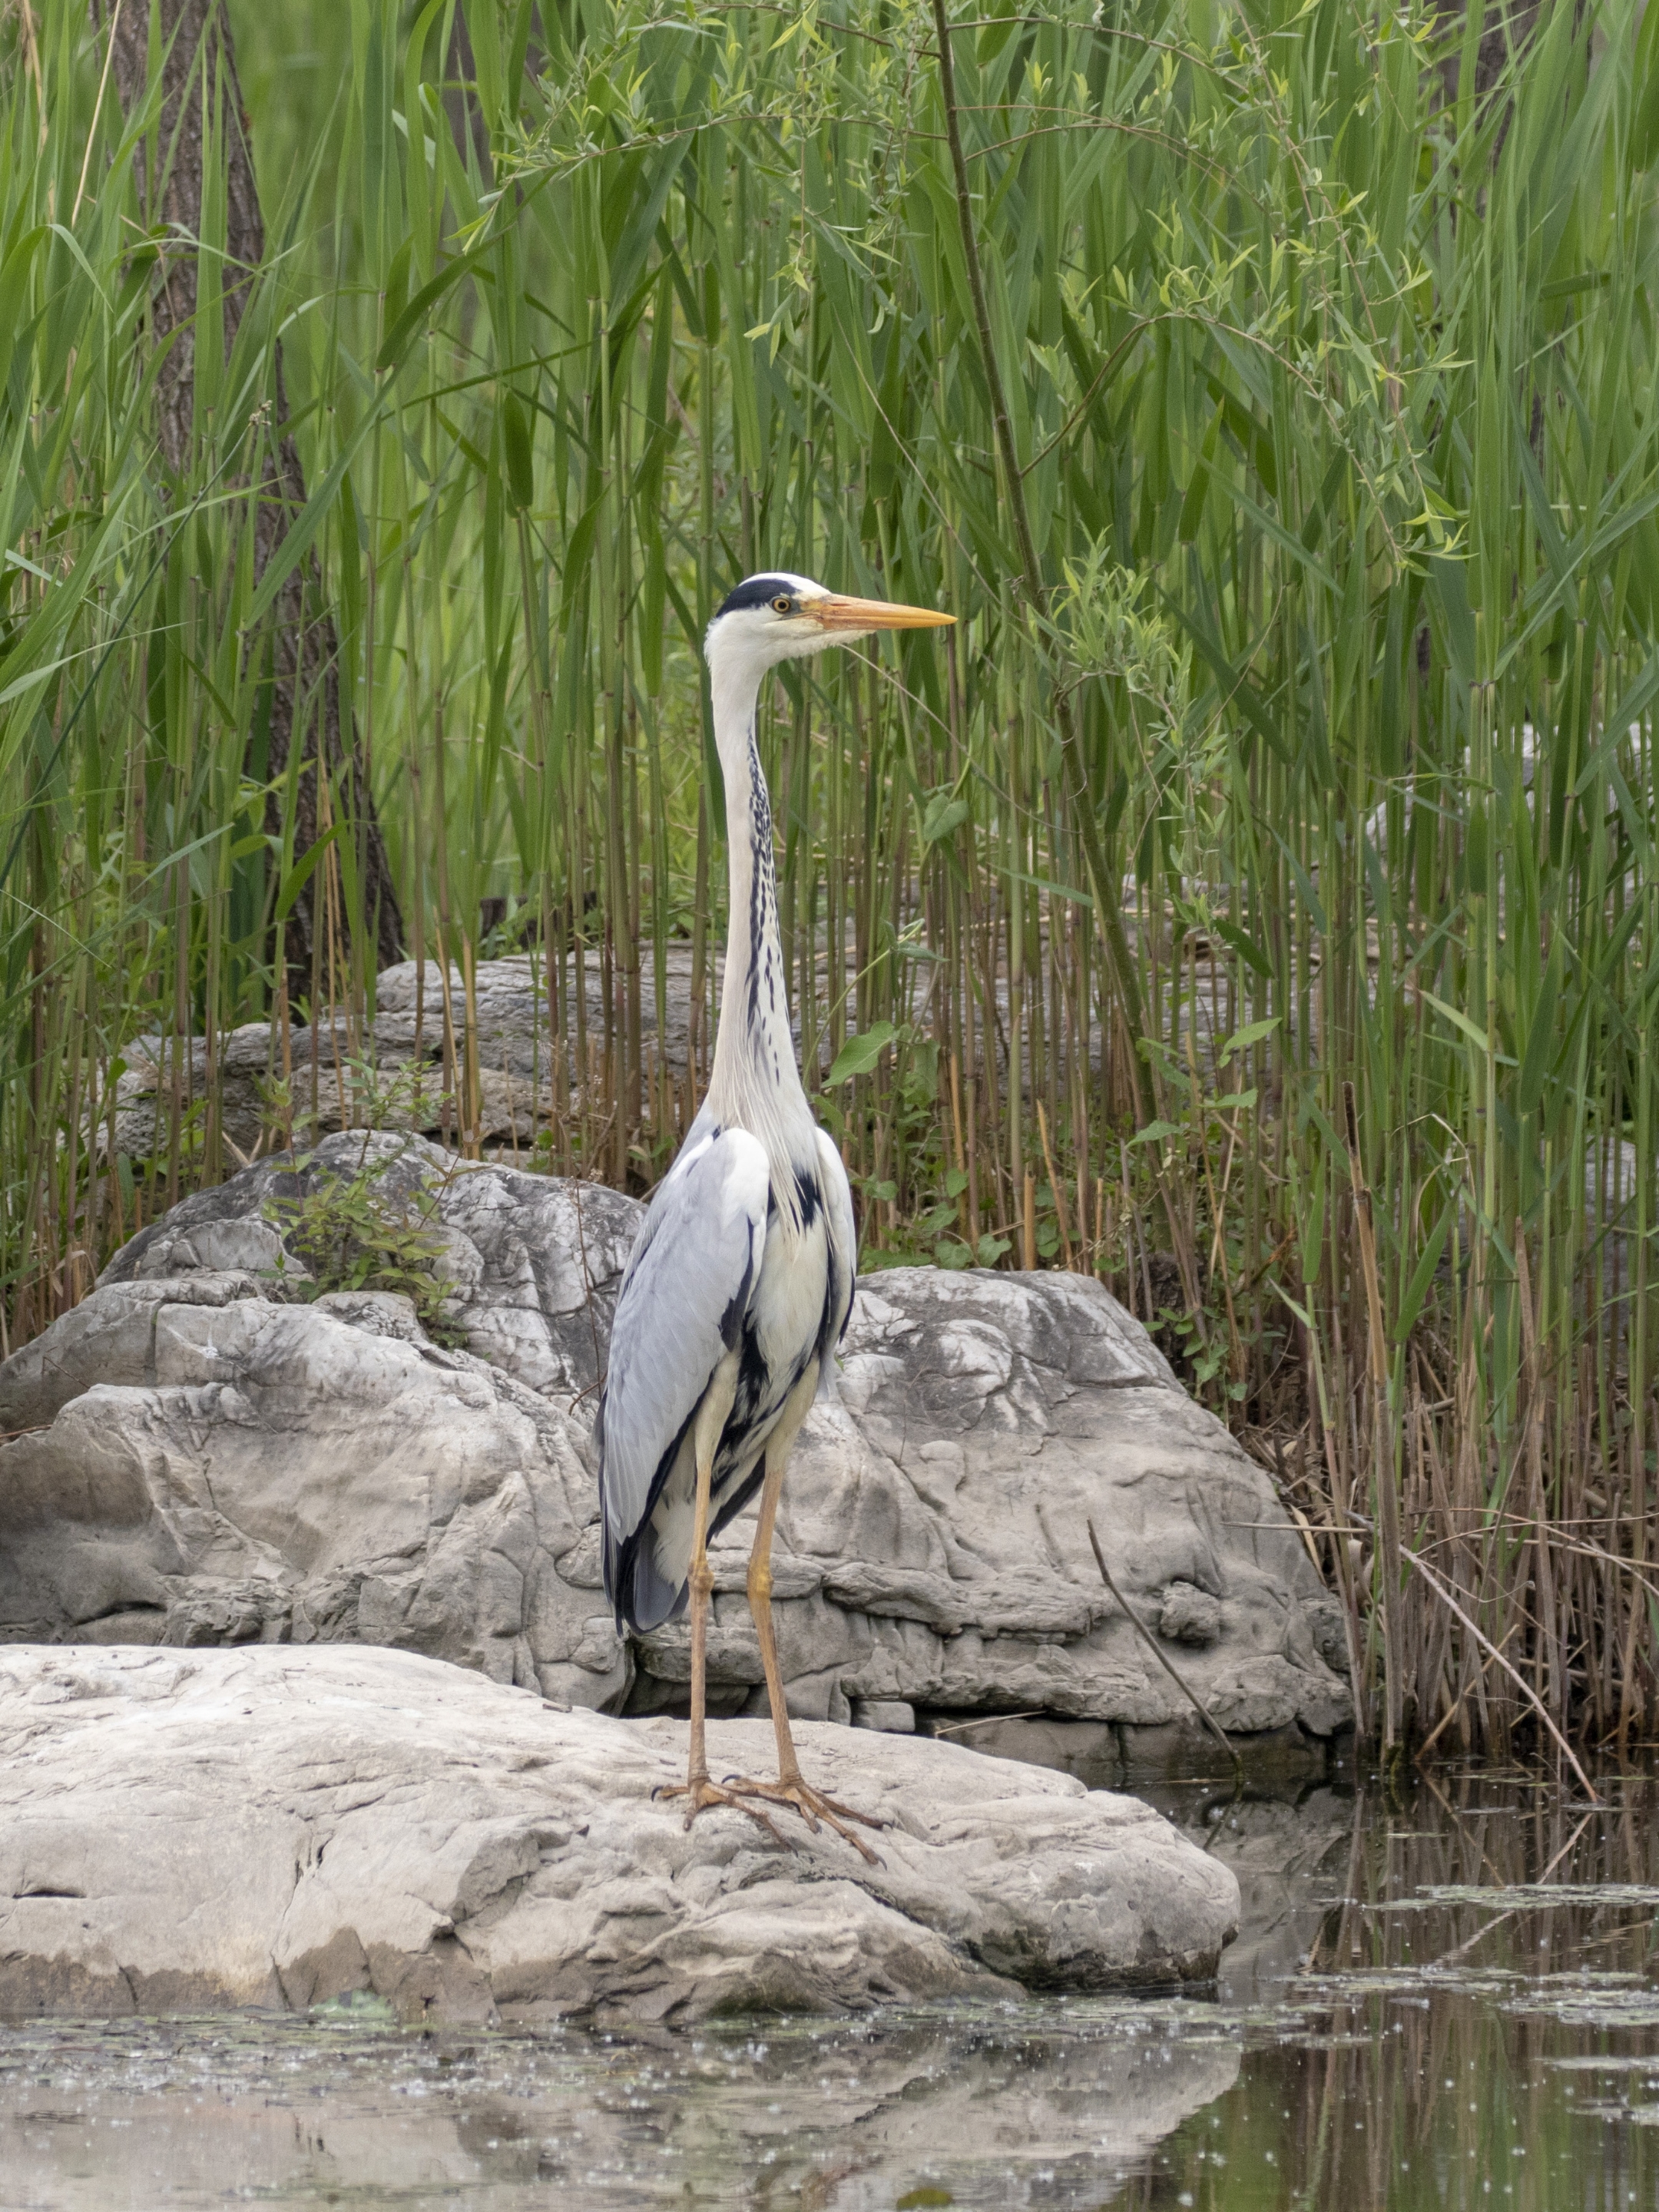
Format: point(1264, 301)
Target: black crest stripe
point(755, 591)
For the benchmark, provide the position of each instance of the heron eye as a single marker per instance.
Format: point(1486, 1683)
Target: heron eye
point(780, 604)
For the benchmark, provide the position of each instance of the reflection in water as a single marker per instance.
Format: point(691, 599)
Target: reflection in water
point(1015, 2106)
point(1448, 2000)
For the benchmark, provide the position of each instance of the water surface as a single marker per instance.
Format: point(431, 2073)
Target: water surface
point(1446, 1998)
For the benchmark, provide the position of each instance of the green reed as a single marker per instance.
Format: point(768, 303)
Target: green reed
point(1250, 902)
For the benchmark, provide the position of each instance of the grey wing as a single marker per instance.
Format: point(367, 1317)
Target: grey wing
point(843, 1252)
point(679, 1311)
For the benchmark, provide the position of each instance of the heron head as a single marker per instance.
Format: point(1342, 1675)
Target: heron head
point(781, 617)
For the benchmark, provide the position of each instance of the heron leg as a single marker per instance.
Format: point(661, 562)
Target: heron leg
point(703, 1587)
point(791, 1787)
point(697, 1787)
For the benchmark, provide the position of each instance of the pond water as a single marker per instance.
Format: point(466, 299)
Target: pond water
point(1447, 1997)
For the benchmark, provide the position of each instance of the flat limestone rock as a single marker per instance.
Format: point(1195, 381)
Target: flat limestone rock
point(207, 1458)
point(279, 1827)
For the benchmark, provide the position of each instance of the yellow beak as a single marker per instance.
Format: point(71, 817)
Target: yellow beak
point(835, 612)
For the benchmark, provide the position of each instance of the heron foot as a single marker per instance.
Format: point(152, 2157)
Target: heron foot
point(703, 1794)
point(814, 1807)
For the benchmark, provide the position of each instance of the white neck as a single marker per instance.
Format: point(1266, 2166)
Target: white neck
point(756, 1083)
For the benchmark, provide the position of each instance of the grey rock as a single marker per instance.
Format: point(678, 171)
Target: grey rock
point(394, 1073)
point(211, 1458)
point(1090, 1750)
point(1289, 1839)
point(109, 1337)
point(533, 1262)
point(508, 1006)
point(1190, 1615)
point(890, 1715)
point(270, 1827)
point(256, 1471)
point(391, 1076)
point(983, 1421)
point(1328, 1631)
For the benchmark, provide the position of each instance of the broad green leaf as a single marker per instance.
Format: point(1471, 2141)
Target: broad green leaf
point(943, 815)
point(1157, 1133)
point(860, 1053)
point(1252, 1033)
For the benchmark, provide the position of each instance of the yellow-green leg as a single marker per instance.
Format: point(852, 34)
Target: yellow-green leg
point(791, 1787)
point(697, 1787)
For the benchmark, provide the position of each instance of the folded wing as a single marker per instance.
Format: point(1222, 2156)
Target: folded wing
point(843, 1252)
point(680, 1310)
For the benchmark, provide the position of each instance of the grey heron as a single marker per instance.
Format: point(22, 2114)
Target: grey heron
point(740, 1283)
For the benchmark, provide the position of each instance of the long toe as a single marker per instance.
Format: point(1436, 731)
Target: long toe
point(814, 1806)
point(704, 1795)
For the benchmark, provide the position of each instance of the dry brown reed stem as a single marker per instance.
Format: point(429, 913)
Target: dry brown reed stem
point(1497, 1659)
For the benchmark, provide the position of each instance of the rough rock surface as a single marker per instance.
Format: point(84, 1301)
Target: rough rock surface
point(533, 1262)
point(209, 1460)
point(278, 1827)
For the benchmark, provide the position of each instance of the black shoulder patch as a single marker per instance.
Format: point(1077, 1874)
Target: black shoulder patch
point(755, 591)
point(806, 1192)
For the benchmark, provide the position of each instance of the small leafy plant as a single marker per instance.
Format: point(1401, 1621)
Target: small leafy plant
point(350, 1236)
